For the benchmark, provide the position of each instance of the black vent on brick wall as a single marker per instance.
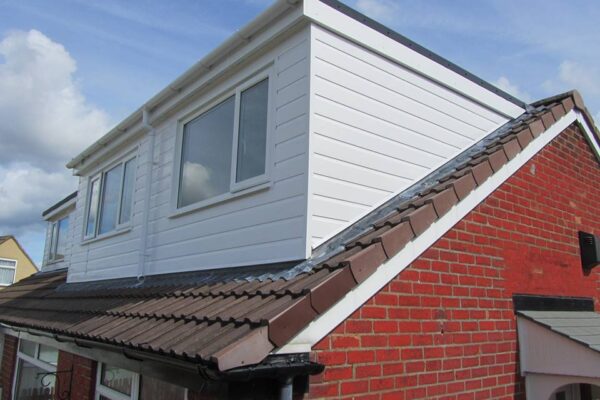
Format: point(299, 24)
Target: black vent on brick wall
point(589, 247)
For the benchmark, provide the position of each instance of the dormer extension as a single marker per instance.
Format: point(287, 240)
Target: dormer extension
point(59, 233)
point(296, 127)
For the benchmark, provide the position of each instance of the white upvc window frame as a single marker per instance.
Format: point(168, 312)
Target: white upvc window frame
point(100, 177)
point(112, 394)
point(54, 236)
point(7, 267)
point(32, 360)
point(236, 189)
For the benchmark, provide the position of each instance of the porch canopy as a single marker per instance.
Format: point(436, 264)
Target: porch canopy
point(558, 348)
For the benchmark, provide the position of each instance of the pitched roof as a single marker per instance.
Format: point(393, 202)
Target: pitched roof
point(580, 326)
point(9, 237)
point(223, 319)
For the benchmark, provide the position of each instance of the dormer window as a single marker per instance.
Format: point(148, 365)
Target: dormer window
point(110, 197)
point(224, 150)
point(58, 239)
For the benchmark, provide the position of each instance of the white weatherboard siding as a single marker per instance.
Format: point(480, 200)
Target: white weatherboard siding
point(265, 226)
point(376, 128)
point(115, 255)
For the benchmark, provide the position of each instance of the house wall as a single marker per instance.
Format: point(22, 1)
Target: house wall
point(445, 327)
point(11, 250)
point(262, 227)
point(376, 128)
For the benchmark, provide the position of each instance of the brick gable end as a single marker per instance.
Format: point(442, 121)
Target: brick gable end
point(445, 327)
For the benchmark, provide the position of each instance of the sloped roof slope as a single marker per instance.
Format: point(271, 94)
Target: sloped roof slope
point(224, 319)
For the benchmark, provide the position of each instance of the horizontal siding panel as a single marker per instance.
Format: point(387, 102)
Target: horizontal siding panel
point(167, 232)
point(338, 209)
point(384, 145)
point(347, 171)
point(360, 194)
point(352, 81)
point(372, 109)
point(328, 108)
point(280, 251)
point(241, 237)
point(330, 47)
point(377, 128)
point(337, 149)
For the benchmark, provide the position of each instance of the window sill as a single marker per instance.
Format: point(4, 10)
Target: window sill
point(219, 199)
point(116, 232)
point(52, 262)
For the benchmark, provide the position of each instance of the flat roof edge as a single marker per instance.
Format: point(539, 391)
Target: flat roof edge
point(392, 34)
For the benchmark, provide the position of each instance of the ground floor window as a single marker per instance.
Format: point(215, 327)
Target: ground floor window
point(34, 379)
point(120, 384)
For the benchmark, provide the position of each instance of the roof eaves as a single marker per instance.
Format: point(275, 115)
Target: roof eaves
point(59, 204)
point(204, 65)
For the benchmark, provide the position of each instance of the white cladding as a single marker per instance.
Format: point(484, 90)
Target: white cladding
point(352, 126)
point(376, 128)
point(265, 226)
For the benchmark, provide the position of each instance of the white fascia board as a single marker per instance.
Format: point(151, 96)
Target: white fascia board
point(63, 210)
point(325, 323)
point(242, 41)
point(345, 26)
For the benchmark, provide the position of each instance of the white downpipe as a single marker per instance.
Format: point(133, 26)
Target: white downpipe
point(147, 194)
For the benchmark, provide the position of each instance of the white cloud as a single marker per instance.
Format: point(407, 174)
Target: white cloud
point(44, 121)
point(27, 190)
point(580, 76)
point(45, 118)
point(380, 10)
point(504, 83)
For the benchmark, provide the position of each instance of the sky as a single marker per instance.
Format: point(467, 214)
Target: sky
point(72, 69)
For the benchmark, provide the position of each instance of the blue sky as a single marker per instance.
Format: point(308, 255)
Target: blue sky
point(70, 69)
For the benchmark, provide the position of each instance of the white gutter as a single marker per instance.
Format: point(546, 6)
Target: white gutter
point(147, 124)
point(203, 66)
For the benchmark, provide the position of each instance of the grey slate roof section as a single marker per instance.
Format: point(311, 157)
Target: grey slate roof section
point(580, 326)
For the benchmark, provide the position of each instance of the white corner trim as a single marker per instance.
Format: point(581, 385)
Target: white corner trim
point(325, 323)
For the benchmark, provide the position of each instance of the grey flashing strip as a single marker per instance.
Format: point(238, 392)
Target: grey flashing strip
point(60, 203)
point(371, 23)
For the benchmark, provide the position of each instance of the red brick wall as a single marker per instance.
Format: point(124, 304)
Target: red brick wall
point(445, 327)
point(81, 381)
point(7, 369)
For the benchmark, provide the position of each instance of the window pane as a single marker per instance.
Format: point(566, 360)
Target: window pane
point(8, 263)
point(61, 241)
point(252, 137)
point(117, 379)
point(110, 199)
point(33, 384)
point(27, 347)
point(7, 276)
point(90, 229)
point(128, 187)
point(206, 154)
point(53, 237)
point(154, 389)
point(48, 354)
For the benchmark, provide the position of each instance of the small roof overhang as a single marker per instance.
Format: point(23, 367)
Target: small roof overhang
point(558, 348)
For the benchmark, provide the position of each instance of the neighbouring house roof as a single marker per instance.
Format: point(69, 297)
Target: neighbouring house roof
point(580, 326)
point(224, 319)
point(9, 237)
